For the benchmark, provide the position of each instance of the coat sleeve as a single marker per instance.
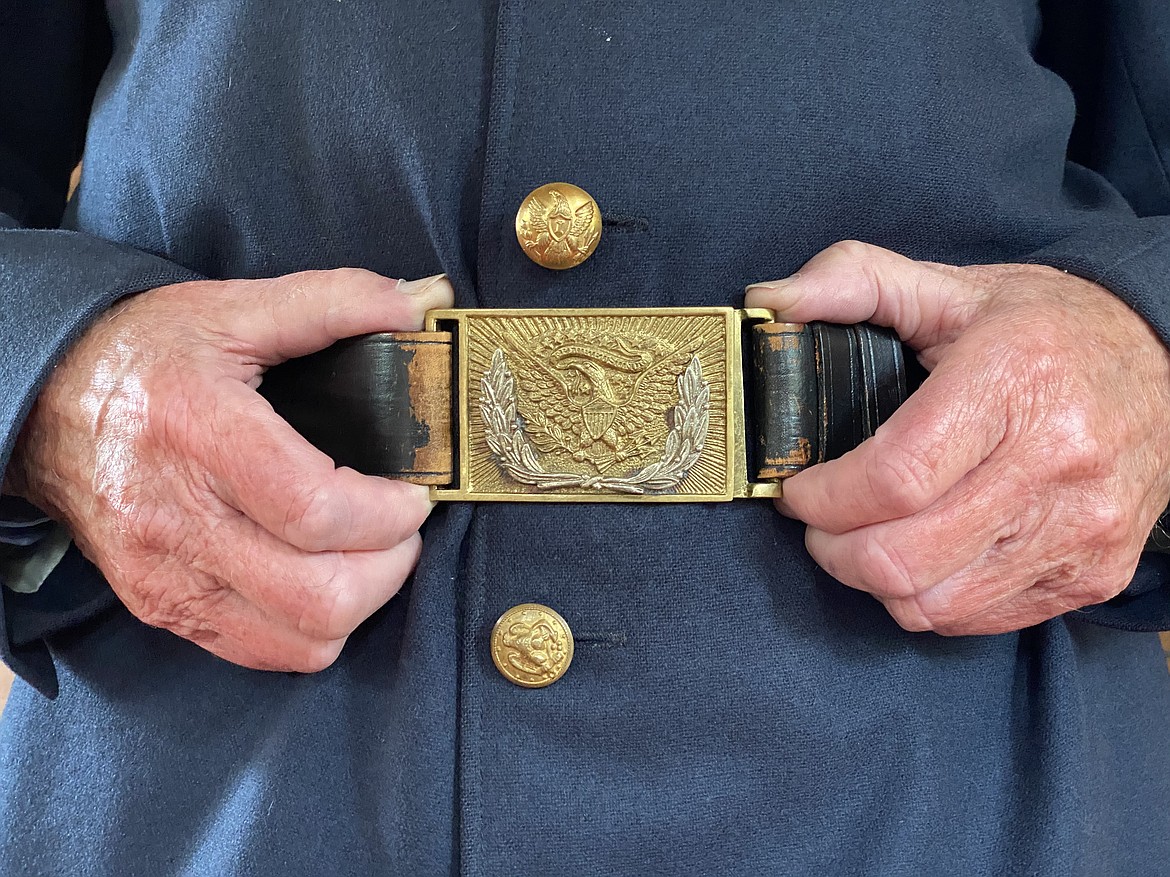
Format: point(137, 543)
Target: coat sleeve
point(1113, 54)
point(53, 282)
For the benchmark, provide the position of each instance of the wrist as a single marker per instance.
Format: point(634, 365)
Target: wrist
point(27, 475)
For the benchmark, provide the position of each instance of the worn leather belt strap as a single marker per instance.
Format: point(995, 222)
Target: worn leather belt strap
point(594, 398)
point(820, 390)
point(380, 404)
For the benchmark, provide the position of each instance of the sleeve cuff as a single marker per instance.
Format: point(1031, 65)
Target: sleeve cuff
point(1128, 256)
point(74, 594)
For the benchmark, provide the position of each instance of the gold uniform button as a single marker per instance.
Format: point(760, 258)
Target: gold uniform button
point(532, 645)
point(558, 226)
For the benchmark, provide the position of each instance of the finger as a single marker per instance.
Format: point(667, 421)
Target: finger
point(852, 282)
point(947, 428)
point(1019, 585)
point(284, 317)
point(324, 595)
point(994, 602)
point(239, 632)
point(908, 556)
point(1013, 586)
point(329, 596)
point(1020, 609)
point(261, 466)
point(1010, 609)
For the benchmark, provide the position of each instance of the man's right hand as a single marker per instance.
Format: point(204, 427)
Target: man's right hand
point(208, 514)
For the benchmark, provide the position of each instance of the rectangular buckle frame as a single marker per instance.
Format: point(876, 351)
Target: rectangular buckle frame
point(600, 405)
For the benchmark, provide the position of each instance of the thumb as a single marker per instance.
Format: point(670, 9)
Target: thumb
point(852, 282)
point(298, 314)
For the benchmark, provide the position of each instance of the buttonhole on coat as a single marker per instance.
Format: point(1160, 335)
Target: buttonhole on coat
point(601, 640)
point(620, 222)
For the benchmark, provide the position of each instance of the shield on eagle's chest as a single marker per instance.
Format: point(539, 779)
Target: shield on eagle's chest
point(598, 420)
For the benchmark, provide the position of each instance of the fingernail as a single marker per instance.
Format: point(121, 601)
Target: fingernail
point(430, 292)
point(419, 287)
point(422, 493)
point(775, 294)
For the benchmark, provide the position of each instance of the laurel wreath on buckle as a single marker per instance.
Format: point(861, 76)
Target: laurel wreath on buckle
point(513, 450)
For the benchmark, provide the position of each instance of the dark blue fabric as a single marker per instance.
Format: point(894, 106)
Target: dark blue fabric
point(730, 708)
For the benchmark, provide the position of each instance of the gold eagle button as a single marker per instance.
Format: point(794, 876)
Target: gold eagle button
point(558, 226)
point(532, 645)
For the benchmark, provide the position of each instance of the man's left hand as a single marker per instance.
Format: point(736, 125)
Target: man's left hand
point(1021, 479)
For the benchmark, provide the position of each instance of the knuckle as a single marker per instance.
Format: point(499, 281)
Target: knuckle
point(908, 616)
point(906, 477)
point(853, 251)
point(272, 297)
point(1088, 590)
point(884, 570)
point(292, 291)
point(317, 516)
point(297, 281)
point(351, 275)
point(330, 604)
point(1107, 524)
point(1080, 453)
point(1099, 591)
point(1071, 597)
point(1092, 578)
point(293, 288)
point(1073, 444)
point(317, 656)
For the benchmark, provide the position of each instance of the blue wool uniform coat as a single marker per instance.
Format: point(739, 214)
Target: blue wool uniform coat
point(730, 709)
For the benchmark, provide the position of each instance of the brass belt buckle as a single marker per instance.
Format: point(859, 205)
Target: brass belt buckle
point(623, 404)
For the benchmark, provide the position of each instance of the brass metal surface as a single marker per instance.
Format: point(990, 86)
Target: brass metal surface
point(532, 645)
point(600, 405)
point(558, 225)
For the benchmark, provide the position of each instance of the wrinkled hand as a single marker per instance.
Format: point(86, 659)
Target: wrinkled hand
point(208, 514)
point(1021, 480)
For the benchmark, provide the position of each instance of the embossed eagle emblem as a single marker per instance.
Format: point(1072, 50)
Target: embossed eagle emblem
point(558, 233)
point(603, 399)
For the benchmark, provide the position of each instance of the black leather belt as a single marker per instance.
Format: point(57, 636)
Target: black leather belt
point(691, 404)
